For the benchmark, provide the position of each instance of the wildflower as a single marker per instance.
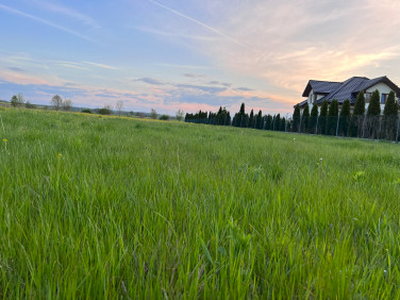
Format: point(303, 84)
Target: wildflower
point(59, 155)
point(320, 159)
point(5, 140)
point(294, 139)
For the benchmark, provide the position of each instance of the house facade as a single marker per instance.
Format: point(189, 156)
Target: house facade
point(318, 91)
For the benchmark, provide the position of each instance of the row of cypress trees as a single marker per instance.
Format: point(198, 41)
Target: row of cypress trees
point(361, 123)
point(241, 119)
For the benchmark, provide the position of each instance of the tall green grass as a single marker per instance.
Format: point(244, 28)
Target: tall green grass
point(102, 207)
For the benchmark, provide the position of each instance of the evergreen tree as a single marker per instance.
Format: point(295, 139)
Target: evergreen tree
point(357, 119)
point(251, 120)
point(283, 125)
point(332, 118)
point(305, 119)
point(313, 119)
point(373, 115)
point(296, 118)
point(260, 121)
point(322, 118)
point(344, 118)
point(268, 122)
point(277, 122)
point(390, 117)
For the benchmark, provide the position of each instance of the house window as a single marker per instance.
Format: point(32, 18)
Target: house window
point(384, 98)
point(367, 97)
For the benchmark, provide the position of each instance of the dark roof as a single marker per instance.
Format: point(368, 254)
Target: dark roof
point(320, 87)
point(345, 90)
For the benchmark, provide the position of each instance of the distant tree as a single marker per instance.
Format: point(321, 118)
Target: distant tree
point(56, 102)
point(283, 125)
point(164, 117)
point(119, 107)
point(106, 110)
point(251, 119)
point(17, 100)
point(373, 115)
point(153, 114)
point(332, 118)
point(86, 110)
point(268, 122)
point(179, 115)
point(29, 105)
point(67, 105)
point(296, 118)
point(313, 119)
point(305, 119)
point(322, 117)
point(344, 119)
point(259, 120)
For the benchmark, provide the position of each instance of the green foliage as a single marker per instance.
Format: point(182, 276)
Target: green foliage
point(164, 117)
point(86, 110)
point(296, 118)
point(390, 118)
point(251, 119)
point(259, 120)
point(332, 119)
point(374, 107)
point(30, 105)
point(104, 111)
point(313, 119)
point(305, 119)
point(56, 102)
point(359, 105)
point(17, 100)
point(322, 118)
point(95, 208)
point(344, 118)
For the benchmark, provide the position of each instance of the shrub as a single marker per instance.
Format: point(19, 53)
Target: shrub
point(164, 117)
point(86, 110)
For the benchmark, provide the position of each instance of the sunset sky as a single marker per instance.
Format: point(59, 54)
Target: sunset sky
point(174, 54)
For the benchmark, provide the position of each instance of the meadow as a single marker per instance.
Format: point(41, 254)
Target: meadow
point(107, 207)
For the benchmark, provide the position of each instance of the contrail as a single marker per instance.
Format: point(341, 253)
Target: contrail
point(202, 24)
point(48, 23)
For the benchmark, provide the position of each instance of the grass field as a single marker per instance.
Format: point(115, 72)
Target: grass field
point(105, 207)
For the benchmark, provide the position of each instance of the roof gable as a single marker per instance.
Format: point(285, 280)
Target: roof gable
point(320, 87)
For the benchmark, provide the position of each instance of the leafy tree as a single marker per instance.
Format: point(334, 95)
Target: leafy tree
point(344, 118)
point(56, 102)
point(104, 111)
point(119, 106)
point(296, 118)
point(332, 118)
point(390, 117)
point(67, 104)
point(29, 105)
point(322, 117)
point(17, 100)
point(179, 115)
point(164, 117)
point(305, 119)
point(153, 114)
point(313, 119)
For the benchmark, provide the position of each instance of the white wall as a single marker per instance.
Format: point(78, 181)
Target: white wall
point(383, 89)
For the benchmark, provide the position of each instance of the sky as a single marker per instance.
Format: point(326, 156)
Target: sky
point(172, 55)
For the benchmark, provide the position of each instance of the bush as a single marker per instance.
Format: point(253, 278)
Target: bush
point(104, 111)
point(87, 111)
point(164, 117)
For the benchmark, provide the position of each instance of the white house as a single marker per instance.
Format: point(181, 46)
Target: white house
point(318, 91)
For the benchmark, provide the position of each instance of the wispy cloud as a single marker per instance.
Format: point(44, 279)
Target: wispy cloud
point(151, 81)
point(212, 29)
point(68, 12)
point(100, 65)
point(45, 22)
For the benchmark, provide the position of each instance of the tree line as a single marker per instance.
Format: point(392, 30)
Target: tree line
point(328, 120)
point(362, 122)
